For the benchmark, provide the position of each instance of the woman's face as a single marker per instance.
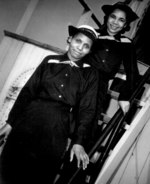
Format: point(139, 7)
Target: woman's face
point(116, 22)
point(79, 46)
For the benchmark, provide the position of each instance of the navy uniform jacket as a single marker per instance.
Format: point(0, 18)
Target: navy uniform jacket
point(41, 118)
point(54, 82)
point(108, 55)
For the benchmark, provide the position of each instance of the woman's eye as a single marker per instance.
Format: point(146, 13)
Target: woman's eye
point(78, 40)
point(113, 16)
point(86, 46)
point(123, 20)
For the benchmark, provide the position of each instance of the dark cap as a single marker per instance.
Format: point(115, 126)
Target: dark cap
point(87, 30)
point(131, 15)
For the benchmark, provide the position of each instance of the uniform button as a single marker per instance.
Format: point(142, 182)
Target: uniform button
point(62, 85)
point(107, 50)
point(60, 96)
point(103, 60)
point(66, 75)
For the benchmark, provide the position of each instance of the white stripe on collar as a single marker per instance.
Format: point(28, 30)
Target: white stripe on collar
point(67, 62)
point(125, 40)
point(71, 63)
point(107, 37)
point(86, 65)
point(53, 61)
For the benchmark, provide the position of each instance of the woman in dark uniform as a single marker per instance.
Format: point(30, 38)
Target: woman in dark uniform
point(111, 50)
point(62, 89)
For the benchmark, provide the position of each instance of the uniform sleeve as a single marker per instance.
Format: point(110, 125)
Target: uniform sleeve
point(87, 110)
point(27, 94)
point(131, 70)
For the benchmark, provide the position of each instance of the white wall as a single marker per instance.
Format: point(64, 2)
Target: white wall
point(11, 12)
point(49, 20)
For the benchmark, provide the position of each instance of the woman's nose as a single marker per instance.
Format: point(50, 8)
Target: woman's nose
point(116, 21)
point(80, 47)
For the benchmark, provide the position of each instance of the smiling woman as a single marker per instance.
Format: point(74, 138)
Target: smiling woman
point(113, 50)
point(116, 22)
point(59, 94)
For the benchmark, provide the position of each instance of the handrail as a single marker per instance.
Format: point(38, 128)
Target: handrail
point(119, 114)
point(117, 120)
point(105, 133)
point(34, 42)
point(87, 8)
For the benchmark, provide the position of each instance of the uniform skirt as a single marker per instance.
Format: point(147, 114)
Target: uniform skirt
point(36, 144)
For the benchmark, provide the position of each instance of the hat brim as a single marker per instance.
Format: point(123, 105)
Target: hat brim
point(73, 31)
point(132, 16)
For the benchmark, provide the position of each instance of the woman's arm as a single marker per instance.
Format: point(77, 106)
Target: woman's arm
point(27, 94)
point(131, 70)
point(4, 132)
point(87, 110)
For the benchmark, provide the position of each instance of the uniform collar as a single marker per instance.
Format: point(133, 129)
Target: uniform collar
point(103, 32)
point(66, 58)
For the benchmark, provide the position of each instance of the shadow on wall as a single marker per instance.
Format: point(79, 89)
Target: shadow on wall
point(142, 39)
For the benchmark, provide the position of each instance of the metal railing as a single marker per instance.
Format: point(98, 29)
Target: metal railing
point(113, 129)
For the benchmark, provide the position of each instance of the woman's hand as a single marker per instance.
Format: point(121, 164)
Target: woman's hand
point(80, 154)
point(125, 105)
point(4, 131)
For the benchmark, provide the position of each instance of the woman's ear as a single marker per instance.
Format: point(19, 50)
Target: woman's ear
point(69, 39)
point(68, 42)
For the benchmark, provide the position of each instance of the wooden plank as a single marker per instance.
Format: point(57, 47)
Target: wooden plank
point(34, 42)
